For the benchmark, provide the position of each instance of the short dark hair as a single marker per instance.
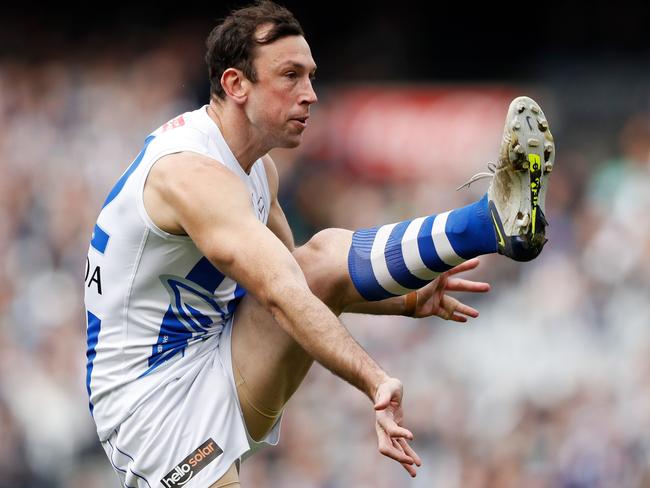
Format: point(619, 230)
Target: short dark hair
point(232, 43)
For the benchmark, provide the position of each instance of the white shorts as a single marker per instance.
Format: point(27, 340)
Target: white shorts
point(190, 432)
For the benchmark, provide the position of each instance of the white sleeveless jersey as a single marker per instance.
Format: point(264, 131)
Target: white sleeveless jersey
point(152, 300)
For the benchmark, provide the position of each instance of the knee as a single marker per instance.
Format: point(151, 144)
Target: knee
point(328, 243)
point(325, 249)
point(230, 479)
point(323, 261)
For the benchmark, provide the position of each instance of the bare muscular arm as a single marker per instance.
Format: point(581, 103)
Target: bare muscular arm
point(198, 196)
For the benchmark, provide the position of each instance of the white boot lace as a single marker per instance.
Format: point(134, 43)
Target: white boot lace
point(480, 176)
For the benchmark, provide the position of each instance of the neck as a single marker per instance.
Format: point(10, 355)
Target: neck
point(243, 140)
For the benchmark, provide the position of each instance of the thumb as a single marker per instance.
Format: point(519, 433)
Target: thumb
point(382, 398)
point(430, 288)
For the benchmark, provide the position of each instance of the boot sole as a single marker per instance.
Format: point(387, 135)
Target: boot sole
point(527, 157)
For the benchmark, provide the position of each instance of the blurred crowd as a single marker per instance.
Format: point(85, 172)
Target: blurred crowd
point(550, 386)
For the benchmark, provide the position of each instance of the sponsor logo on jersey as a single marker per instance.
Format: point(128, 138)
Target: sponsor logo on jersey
point(192, 464)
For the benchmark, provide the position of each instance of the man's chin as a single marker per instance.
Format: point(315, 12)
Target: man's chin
point(291, 142)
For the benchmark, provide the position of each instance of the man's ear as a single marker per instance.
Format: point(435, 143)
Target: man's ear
point(235, 84)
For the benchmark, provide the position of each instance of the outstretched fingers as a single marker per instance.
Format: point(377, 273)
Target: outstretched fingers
point(390, 427)
point(389, 449)
point(465, 311)
point(408, 450)
point(466, 266)
point(460, 284)
point(453, 309)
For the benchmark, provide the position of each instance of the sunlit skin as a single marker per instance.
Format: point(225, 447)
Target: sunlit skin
point(273, 111)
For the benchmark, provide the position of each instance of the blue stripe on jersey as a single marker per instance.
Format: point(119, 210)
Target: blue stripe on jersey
point(100, 239)
point(180, 323)
point(206, 275)
point(182, 320)
point(94, 326)
point(240, 291)
point(427, 249)
point(181, 306)
point(360, 266)
point(172, 339)
point(203, 320)
point(134, 165)
point(395, 259)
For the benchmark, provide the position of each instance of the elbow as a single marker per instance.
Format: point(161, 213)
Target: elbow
point(280, 295)
point(286, 301)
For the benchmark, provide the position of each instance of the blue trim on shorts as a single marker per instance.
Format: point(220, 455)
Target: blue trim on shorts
point(131, 458)
point(110, 458)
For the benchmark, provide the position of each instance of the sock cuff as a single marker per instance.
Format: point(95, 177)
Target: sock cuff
point(360, 266)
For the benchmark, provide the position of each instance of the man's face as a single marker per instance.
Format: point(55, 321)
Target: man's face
point(278, 103)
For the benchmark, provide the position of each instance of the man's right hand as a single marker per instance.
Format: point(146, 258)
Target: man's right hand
point(392, 438)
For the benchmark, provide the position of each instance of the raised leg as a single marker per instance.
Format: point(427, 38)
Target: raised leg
point(342, 267)
point(268, 364)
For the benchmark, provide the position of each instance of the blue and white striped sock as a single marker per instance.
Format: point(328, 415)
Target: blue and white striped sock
point(396, 259)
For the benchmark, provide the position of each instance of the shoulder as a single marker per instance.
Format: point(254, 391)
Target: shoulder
point(183, 138)
point(189, 187)
point(187, 174)
point(184, 132)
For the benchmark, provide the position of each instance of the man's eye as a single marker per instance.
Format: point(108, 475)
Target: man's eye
point(291, 75)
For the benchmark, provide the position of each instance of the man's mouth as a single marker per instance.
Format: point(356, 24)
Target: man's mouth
point(301, 120)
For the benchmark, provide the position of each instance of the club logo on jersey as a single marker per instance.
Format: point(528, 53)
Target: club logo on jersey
point(192, 313)
point(193, 305)
point(192, 464)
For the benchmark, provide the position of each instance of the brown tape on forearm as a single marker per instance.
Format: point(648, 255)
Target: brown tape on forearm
point(410, 303)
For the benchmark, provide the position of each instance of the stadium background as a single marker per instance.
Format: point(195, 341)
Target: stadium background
point(549, 387)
